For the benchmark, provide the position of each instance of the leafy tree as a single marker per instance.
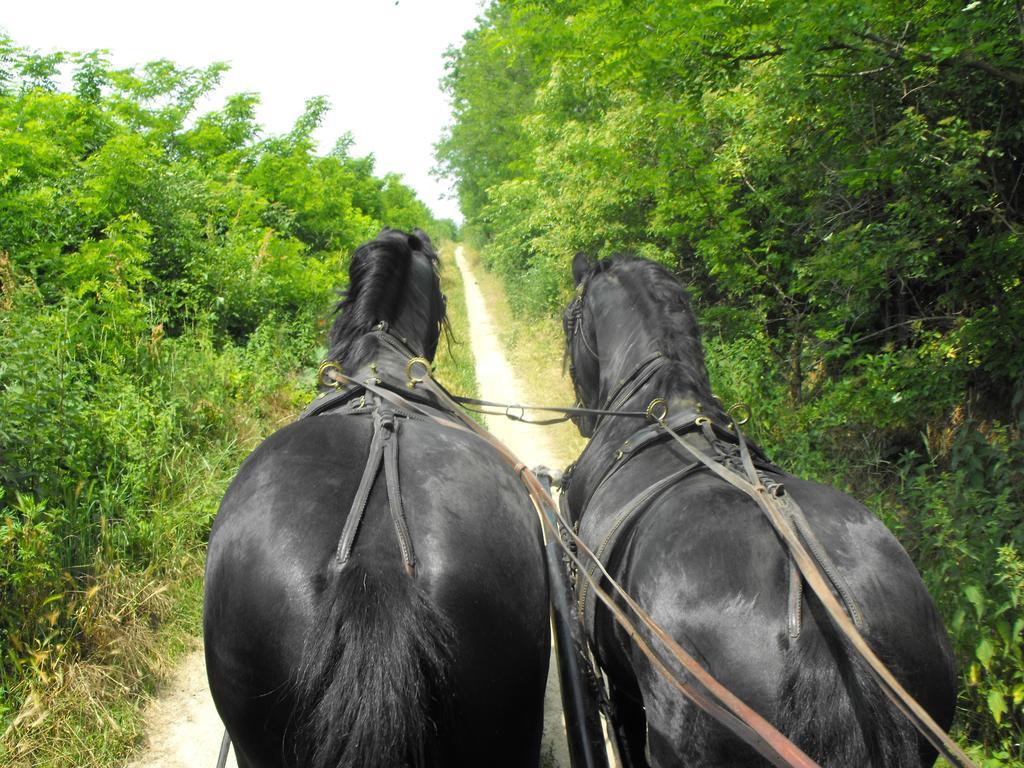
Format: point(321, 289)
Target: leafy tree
point(840, 185)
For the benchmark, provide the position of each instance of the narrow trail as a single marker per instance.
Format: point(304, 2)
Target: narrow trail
point(497, 381)
point(183, 729)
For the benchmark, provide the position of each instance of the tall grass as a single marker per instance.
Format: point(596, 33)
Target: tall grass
point(116, 446)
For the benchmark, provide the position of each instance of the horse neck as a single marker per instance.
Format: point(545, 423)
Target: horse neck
point(383, 349)
point(410, 330)
point(413, 327)
point(667, 383)
point(626, 343)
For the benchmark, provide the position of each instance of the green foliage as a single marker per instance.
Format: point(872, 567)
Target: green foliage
point(969, 529)
point(840, 186)
point(163, 276)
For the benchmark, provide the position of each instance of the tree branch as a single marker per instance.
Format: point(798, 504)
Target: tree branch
point(897, 50)
point(902, 323)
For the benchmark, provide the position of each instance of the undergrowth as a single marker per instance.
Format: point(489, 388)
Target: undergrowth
point(164, 280)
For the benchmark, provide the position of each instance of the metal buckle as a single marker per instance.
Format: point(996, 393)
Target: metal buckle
point(740, 408)
point(323, 373)
point(512, 416)
point(657, 410)
point(409, 366)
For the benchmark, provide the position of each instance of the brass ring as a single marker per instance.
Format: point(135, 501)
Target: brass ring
point(413, 362)
point(740, 408)
point(657, 410)
point(700, 421)
point(322, 373)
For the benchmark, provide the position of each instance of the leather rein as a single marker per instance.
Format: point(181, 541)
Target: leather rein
point(626, 389)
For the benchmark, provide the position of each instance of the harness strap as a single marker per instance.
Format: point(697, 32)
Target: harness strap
point(391, 476)
point(383, 450)
point(366, 482)
point(795, 599)
point(753, 469)
point(326, 401)
point(799, 521)
point(640, 439)
point(618, 527)
point(630, 385)
point(778, 510)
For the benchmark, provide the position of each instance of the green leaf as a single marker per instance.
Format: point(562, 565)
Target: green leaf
point(976, 598)
point(984, 652)
point(997, 705)
point(1018, 694)
point(1003, 628)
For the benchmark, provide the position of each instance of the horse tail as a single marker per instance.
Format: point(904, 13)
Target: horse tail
point(833, 708)
point(375, 666)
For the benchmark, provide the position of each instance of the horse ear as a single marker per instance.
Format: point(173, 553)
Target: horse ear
point(581, 266)
point(414, 240)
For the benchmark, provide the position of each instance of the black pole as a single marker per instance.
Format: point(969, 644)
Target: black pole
point(579, 700)
point(225, 745)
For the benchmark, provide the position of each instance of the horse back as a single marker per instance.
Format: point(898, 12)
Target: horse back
point(707, 565)
point(272, 556)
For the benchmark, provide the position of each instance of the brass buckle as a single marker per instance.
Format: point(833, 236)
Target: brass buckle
point(409, 366)
point(323, 373)
point(657, 410)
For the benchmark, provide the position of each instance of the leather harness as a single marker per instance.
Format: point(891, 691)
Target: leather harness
point(388, 417)
point(435, 404)
point(726, 447)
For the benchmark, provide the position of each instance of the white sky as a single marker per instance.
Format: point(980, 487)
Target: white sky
point(379, 62)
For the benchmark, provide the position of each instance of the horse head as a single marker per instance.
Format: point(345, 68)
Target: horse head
point(394, 285)
point(632, 335)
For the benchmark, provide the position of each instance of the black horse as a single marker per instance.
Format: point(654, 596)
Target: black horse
point(389, 611)
point(702, 559)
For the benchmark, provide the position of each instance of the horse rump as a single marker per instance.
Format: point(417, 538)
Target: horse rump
point(833, 708)
point(375, 665)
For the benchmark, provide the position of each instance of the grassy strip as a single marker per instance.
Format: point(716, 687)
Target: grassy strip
point(455, 366)
point(534, 348)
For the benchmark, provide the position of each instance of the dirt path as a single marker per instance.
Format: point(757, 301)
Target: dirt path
point(497, 381)
point(182, 726)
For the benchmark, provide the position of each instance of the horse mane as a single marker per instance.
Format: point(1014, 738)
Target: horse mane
point(380, 287)
point(665, 303)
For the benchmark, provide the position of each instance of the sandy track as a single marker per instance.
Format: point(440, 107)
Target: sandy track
point(497, 381)
point(182, 726)
point(183, 729)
